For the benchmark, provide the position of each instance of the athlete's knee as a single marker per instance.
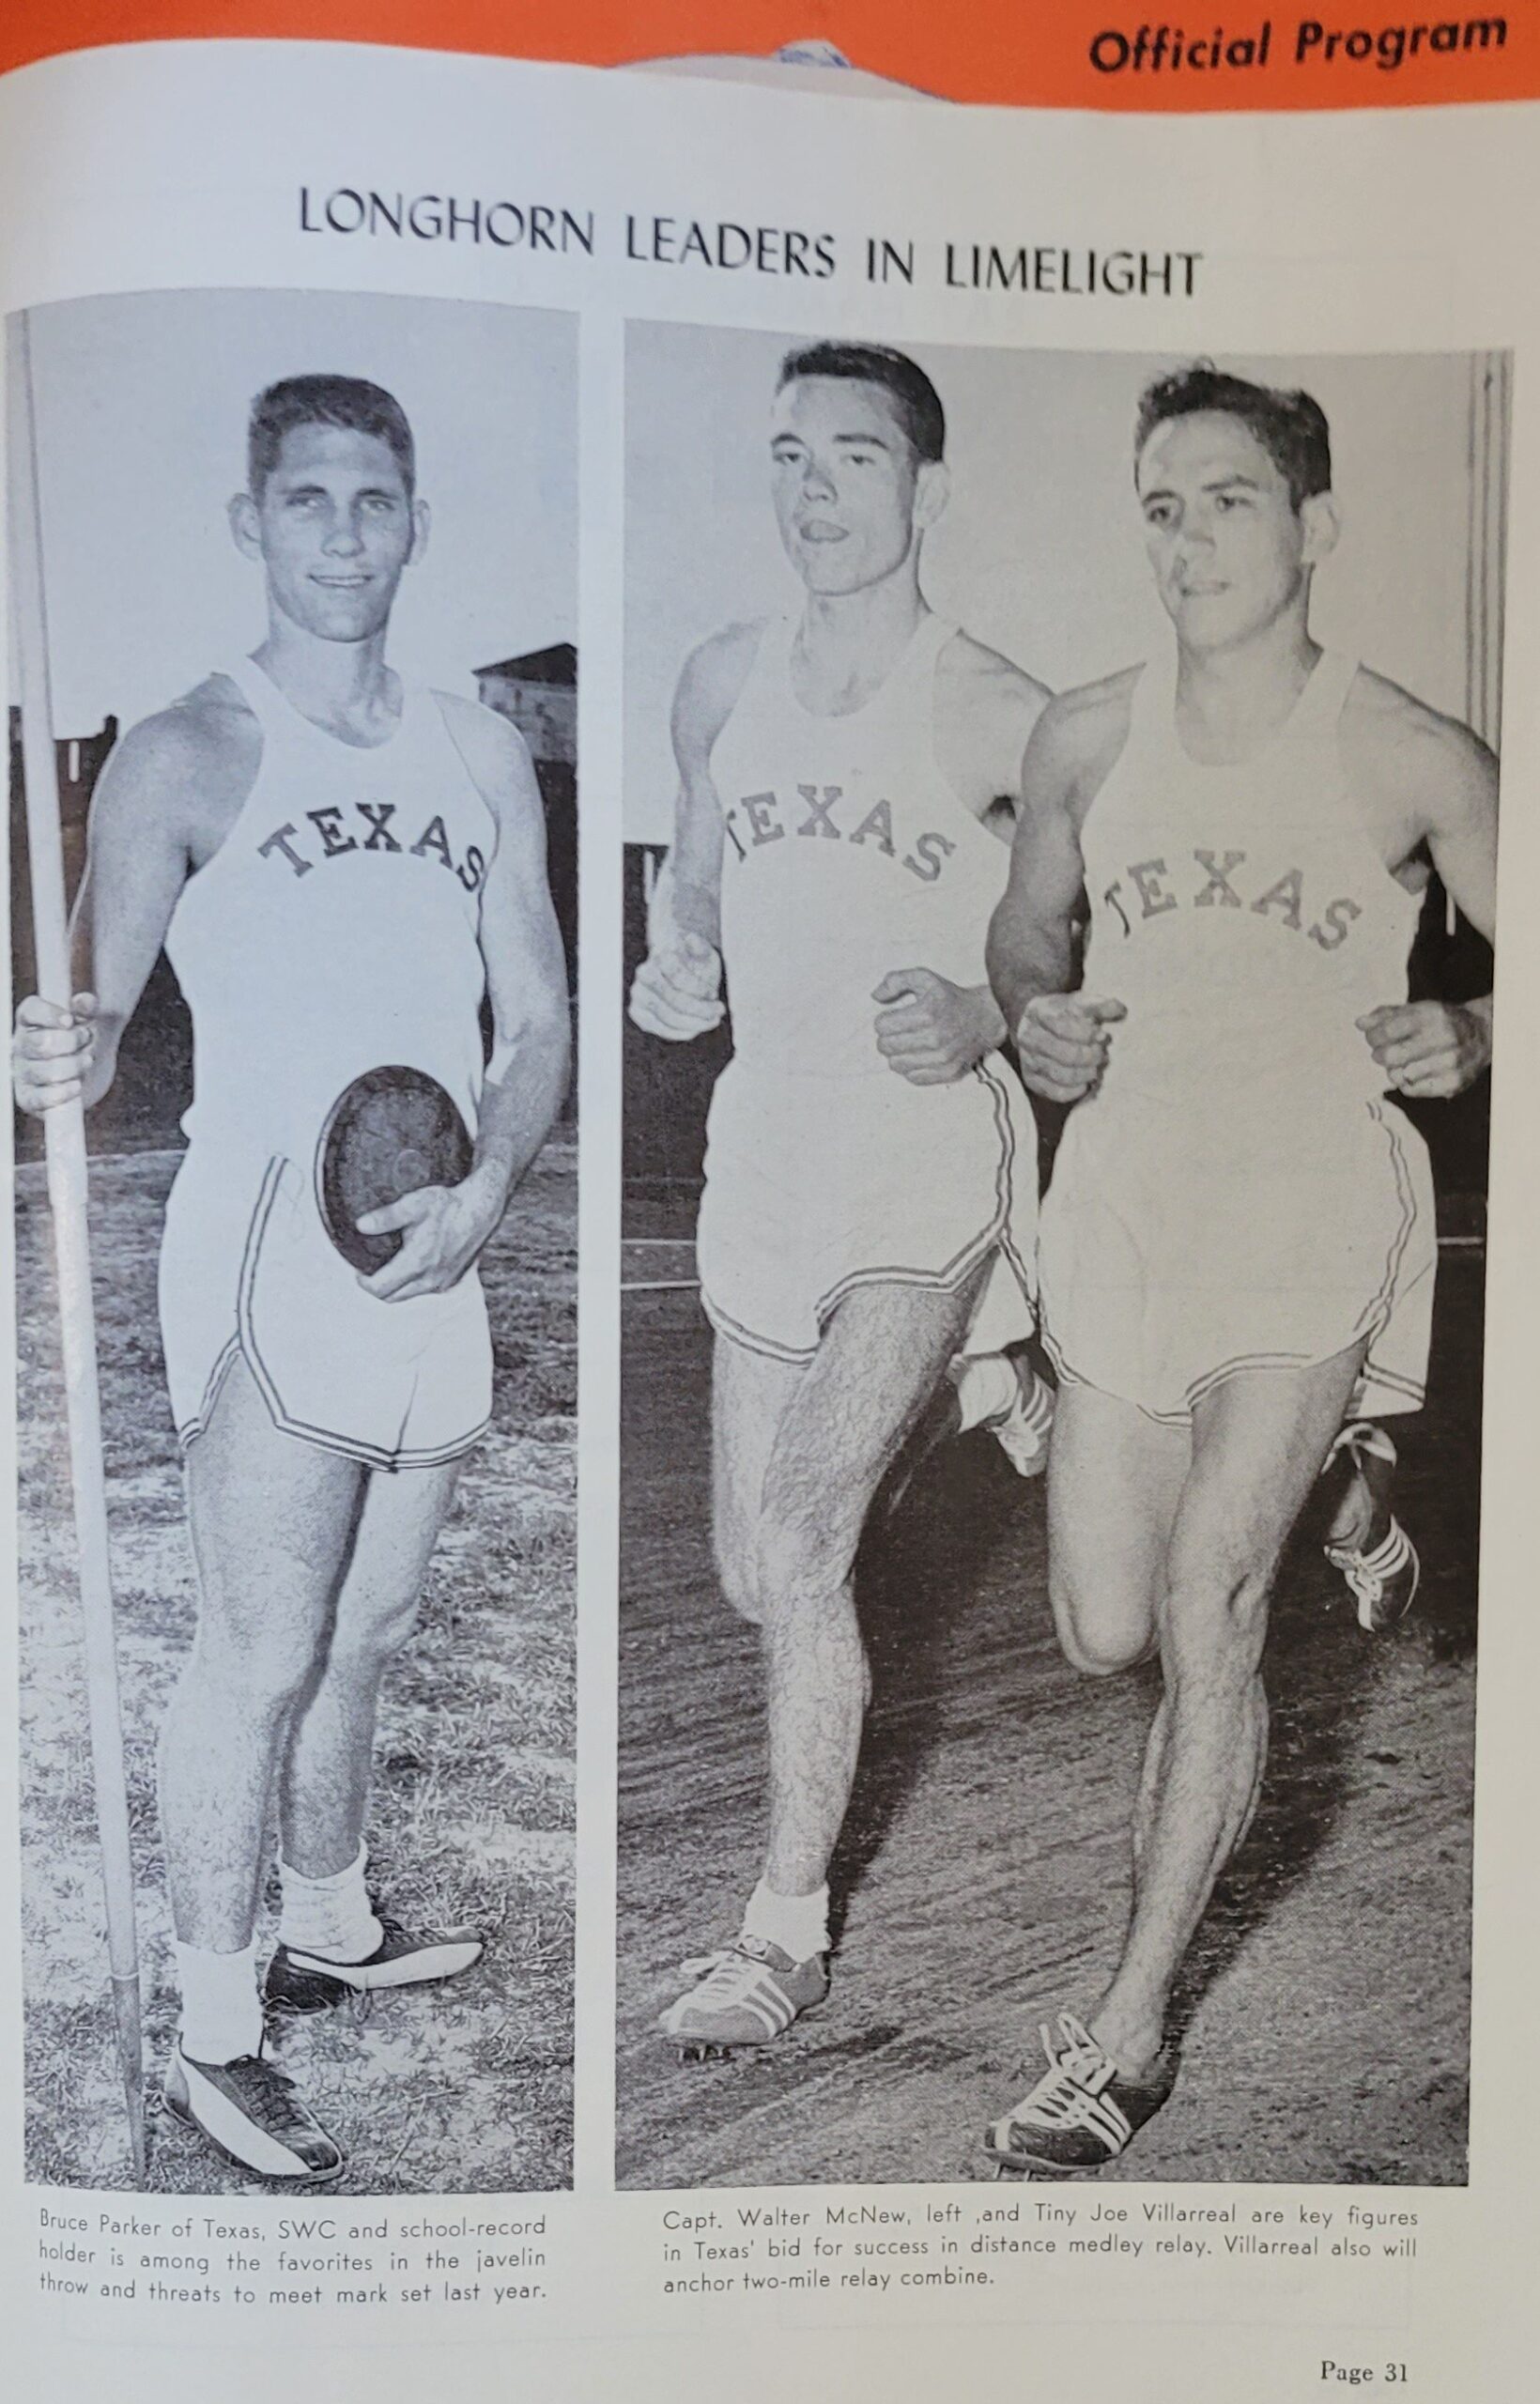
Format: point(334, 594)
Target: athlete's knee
point(1216, 1611)
point(263, 1667)
point(797, 1557)
point(1102, 1633)
point(1101, 1651)
point(370, 1630)
point(1104, 1653)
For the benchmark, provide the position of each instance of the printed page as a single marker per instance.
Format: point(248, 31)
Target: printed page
point(764, 1399)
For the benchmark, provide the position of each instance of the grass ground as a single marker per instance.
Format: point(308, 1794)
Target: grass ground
point(466, 2089)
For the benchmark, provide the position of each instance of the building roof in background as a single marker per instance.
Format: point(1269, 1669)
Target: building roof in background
point(556, 665)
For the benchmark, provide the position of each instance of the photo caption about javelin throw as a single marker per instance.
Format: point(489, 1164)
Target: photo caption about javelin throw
point(145, 2255)
point(725, 247)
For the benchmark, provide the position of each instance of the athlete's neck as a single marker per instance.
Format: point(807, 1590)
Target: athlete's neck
point(1230, 699)
point(345, 687)
point(849, 644)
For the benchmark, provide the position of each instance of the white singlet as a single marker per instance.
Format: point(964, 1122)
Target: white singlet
point(1238, 1193)
point(335, 930)
point(847, 855)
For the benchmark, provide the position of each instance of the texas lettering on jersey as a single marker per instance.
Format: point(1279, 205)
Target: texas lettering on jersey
point(815, 813)
point(371, 830)
point(1151, 889)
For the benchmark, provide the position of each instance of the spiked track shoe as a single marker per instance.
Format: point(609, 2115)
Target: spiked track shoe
point(743, 1998)
point(1081, 2114)
point(1381, 1567)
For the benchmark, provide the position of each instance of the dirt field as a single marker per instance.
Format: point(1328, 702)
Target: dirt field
point(982, 1884)
point(464, 2089)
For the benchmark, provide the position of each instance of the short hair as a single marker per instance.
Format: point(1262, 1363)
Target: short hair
point(1290, 427)
point(348, 401)
point(918, 404)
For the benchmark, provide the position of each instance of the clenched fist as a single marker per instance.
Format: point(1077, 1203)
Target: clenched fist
point(53, 1051)
point(932, 1031)
point(1430, 1048)
point(1062, 1043)
point(677, 992)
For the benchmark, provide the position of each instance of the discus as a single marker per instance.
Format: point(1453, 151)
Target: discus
point(390, 1132)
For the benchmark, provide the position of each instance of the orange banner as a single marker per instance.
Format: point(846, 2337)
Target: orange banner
point(1059, 53)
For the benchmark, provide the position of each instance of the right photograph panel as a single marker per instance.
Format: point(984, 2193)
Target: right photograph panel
point(1060, 840)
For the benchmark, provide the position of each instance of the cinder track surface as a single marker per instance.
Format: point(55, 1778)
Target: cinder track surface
point(982, 1881)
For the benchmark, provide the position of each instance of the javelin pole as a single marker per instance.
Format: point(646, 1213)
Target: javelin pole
point(64, 1132)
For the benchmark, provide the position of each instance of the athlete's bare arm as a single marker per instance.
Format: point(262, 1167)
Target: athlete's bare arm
point(929, 1030)
point(1060, 1036)
point(1429, 789)
point(160, 806)
point(677, 990)
point(986, 710)
point(445, 1228)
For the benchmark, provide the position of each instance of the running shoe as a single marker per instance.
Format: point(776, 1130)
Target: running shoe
point(745, 1995)
point(1381, 1566)
point(1082, 2112)
point(300, 1982)
point(248, 2111)
point(1022, 1428)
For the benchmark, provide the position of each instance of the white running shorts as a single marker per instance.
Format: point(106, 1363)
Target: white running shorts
point(248, 1271)
point(817, 1185)
point(1171, 1258)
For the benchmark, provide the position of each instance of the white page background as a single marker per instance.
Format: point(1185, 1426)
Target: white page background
point(179, 167)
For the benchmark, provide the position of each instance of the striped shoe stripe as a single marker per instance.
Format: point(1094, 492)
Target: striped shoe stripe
point(763, 2003)
point(1388, 1556)
point(769, 2001)
point(1106, 2120)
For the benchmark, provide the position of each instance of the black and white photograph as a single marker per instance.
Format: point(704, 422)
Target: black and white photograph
point(1061, 857)
point(293, 603)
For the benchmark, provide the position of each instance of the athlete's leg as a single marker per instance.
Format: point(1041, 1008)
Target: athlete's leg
point(1258, 1443)
point(843, 1427)
point(1115, 1482)
point(749, 1394)
point(723, 2007)
point(798, 1455)
point(940, 1422)
point(324, 1778)
point(272, 1520)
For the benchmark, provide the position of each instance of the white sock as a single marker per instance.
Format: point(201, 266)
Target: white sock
point(985, 1383)
point(329, 1916)
point(799, 1924)
point(222, 2011)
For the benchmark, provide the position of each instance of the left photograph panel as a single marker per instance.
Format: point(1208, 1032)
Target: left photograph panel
point(293, 859)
